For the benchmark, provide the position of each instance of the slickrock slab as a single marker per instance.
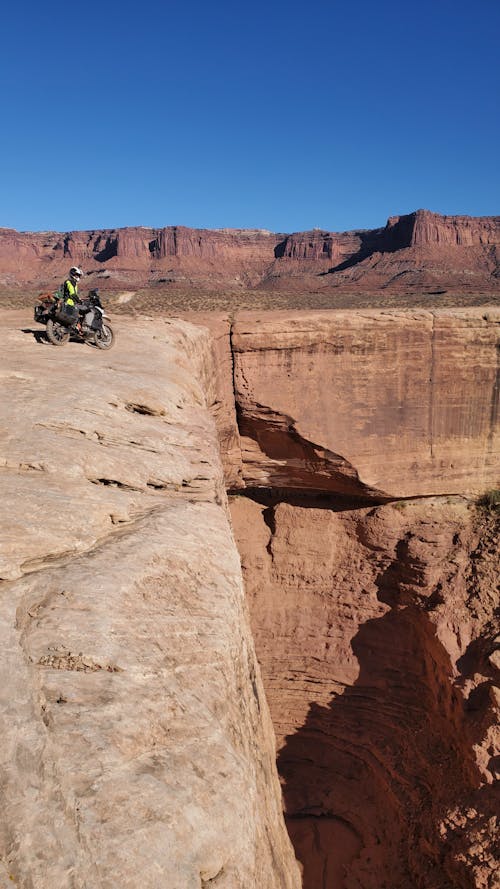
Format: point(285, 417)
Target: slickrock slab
point(387, 403)
point(92, 439)
point(137, 748)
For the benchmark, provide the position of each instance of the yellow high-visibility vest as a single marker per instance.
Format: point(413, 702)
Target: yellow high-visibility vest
point(70, 290)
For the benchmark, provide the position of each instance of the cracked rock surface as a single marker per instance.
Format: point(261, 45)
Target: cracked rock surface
point(137, 749)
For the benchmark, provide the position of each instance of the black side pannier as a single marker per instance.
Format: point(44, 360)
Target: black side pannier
point(65, 314)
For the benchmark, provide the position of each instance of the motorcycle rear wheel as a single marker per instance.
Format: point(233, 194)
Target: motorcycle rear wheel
point(104, 338)
point(57, 334)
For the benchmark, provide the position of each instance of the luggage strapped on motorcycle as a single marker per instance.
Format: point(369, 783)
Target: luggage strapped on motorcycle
point(66, 312)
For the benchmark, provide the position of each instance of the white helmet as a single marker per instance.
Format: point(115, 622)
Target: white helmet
point(75, 272)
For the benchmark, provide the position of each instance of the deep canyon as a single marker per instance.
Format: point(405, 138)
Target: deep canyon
point(246, 551)
point(373, 587)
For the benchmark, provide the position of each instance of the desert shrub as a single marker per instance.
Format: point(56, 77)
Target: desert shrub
point(490, 500)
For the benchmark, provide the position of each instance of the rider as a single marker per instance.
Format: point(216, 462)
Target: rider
point(70, 286)
point(70, 291)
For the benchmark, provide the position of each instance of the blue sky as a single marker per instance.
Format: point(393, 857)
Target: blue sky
point(285, 116)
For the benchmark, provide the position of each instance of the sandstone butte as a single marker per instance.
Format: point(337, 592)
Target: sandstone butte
point(147, 705)
point(417, 252)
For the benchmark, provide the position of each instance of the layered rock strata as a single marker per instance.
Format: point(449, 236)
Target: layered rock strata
point(369, 404)
point(422, 229)
point(377, 632)
point(377, 626)
point(417, 251)
point(137, 748)
point(137, 743)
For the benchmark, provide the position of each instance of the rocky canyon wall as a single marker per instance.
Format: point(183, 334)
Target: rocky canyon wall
point(375, 404)
point(137, 748)
point(377, 632)
point(419, 229)
point(432, 229)
point(376, 624)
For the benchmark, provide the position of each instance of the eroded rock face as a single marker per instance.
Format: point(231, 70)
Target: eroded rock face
point(452, 231)
point(422, 228)
point(137, 748)
point(376, 626)
point(376, 630)
point(137, 745)
point(413, 252)
point(380, 404)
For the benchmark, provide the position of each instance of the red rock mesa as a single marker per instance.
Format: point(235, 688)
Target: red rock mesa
point(415, 252)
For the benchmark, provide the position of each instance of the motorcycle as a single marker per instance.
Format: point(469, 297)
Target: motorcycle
point(85, 322)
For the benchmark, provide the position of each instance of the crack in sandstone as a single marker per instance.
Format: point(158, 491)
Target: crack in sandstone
point(56, 560)
point(101, 438)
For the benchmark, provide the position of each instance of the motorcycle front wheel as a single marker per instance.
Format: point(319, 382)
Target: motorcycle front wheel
point(104, 338)
point(57, 334)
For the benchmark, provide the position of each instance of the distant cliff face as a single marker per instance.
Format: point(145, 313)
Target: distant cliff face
point(421, 249)
point(454, 231)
